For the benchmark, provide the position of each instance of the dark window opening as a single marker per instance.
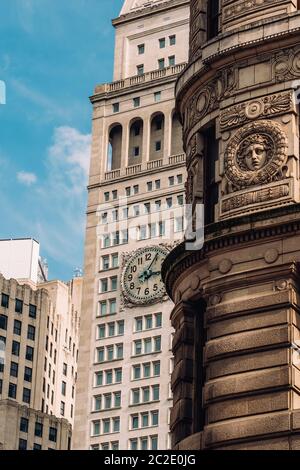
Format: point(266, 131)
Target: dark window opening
point(210, 185)
point(213, 9)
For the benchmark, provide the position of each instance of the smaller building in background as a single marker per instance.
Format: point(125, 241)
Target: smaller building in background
point(24, 428)
point(39, 332)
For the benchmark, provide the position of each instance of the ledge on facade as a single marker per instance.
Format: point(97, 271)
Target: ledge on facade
point(145, 167)
point(108, 88)
point(147, 9)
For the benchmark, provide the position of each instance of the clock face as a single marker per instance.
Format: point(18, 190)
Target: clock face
point(141, 279)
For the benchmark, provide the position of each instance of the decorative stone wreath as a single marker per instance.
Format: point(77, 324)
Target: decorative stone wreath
point(268, 134)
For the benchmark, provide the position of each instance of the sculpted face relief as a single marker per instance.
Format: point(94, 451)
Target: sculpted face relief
point(256, 156)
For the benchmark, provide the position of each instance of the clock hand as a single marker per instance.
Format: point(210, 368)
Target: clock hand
point(152, 262)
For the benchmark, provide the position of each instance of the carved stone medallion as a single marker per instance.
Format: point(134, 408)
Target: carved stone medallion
point(256, 155)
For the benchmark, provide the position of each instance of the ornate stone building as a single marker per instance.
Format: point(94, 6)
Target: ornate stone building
point(236, 378)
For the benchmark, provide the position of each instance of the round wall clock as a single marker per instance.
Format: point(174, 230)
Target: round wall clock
point(141, 278)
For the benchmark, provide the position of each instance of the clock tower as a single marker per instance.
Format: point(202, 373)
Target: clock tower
point(134, 219)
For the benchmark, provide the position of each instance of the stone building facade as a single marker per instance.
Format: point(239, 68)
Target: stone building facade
point(236, 378)
point(136, 190)
point(39, 333)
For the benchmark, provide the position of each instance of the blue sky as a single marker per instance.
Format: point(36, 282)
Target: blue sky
point(52, 54)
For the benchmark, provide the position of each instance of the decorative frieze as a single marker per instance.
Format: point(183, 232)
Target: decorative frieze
point(260, 108)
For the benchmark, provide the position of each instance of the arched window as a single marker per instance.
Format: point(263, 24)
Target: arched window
point(114, 147)
point(157, 137)
point(135, 150)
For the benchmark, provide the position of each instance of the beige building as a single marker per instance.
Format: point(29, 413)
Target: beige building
point(236, 379)
point(134, 217)
point(39, 331)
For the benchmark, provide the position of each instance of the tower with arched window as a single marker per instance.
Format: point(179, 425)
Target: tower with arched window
point(135, 200)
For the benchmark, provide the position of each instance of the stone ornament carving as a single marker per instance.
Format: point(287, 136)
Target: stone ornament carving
point(240, 8)
point(256, 154)
point(271, 255)
point(215, 300)
point(268, 106)
point(262, 196)
point(225, 266)
point(281, 285)
point(286, 65)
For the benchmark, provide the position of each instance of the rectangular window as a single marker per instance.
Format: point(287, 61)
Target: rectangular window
point(110, 353)
point(136, 102)
point(106, 241)
point(115, 445)
point(52, 434)
point(116, 107)
point(147, 370)
point(136, 372)
point(136, 396)
point(24, 425)
point(124, 237)
point(180, 200)
point(118, 375)
point(147, 208)
point(32, 311)
point(38, 431)
point(117, 399)
point(128, 191)
point(178, 224)
point(156, 369)
point(19, 306)
point(105, 263)
point(157, 145)
point(15, 350)
point(4, 301)
point(28, 374)
point(169, 202)
point(104, 285)
point(106, 196)
point(100, 354)
point(171, 60)
point(140, 70)
point(62, 408)
point(31, 335)
point(136, 211)
point(158, 320)
point(37, 446)
point(107, 401)
point(147, 345)
point(97, 403)
point(145, 420)
point(161, 64)
point(162, 229)
point(134, 422)
point(63, 388)
point(12, 390)
point(155, 392)
point(106, 426)
point(157, 184)
point(171, 180)
point(101, 331)
point(157, 344)
point(116, 424)
point(148, 320)
point(162, 43)
point(133, 444)
point(136, 189)
point(137, 347)
point(113, 283)
point(114, 194)
point(154, 418)
point(154, 442)
point(172, 40)
point(99, 379)
point(146, 394)
point(136, 151)
point(3, 322)
point(96, 428)
point(157, 97)
point(179, 179)
point(14, 367)
point(141, 49)
point(26, 395)
point(113, 306)
point(22, 444)
point(109, 377)
point(149, 186)
point(121, 327)
point(103, 308)
point(119, 351)
point(157, 205)
point(17, 327)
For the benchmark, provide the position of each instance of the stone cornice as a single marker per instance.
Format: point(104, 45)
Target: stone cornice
point(239, 231)
point(206, 65)
point(148, 10)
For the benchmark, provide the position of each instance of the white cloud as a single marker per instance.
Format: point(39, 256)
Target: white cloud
point(26, 178)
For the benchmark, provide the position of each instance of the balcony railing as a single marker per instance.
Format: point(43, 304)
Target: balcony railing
point(137, 79)
point(144, 167)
